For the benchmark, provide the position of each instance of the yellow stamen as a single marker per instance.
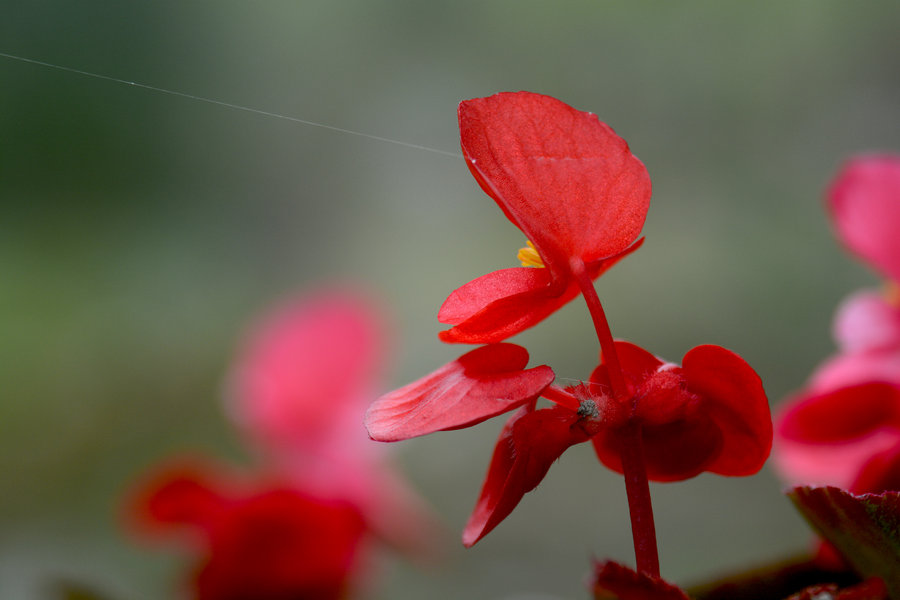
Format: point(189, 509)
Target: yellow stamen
point(529, 256)
point(892, 293)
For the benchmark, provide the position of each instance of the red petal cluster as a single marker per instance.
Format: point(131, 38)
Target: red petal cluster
point(568, 182)
point(709, 415)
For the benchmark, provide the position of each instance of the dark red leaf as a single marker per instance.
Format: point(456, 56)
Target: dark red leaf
point(613, 581)
point(865, 529)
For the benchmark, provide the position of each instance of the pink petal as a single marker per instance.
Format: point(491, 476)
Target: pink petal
point(733, 396)
point(501, 304)
point(530, 442)
point(827, 438)
point(867, 321)
point(302, 380)
point(850, 369)
point(560, 175)
point(478, 385)
point(864, 201)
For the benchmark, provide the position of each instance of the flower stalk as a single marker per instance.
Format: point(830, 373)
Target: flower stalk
point(637, 486)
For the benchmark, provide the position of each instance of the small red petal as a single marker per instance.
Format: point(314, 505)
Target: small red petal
point(865, 205)
point(529, 443)
point(501, 304)
point(559, 174)
point(479, 385)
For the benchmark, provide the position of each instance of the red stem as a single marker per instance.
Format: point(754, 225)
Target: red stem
point(643, 529)
point(607, 346)
point(637, 487)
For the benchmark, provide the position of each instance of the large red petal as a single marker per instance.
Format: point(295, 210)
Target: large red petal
point(673, 451)
point(529, 443)
point(864, 201)
point(501, 304)
point(559, 174)
point(733, 396)
point(478, 385)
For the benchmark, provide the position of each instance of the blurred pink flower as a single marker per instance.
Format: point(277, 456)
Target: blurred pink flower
point(299, 389)
point(844, 427)
point(295, 526)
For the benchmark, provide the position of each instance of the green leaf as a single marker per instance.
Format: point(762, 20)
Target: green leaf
point(865, 529)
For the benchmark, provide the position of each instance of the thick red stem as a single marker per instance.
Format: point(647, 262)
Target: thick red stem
point(643, 529)
point(637, 487)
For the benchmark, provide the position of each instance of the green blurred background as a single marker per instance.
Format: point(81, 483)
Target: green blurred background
point(140, 231)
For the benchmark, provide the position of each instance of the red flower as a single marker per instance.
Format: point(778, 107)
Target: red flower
point(256, 541)
point(569, 183)
point(709, 415)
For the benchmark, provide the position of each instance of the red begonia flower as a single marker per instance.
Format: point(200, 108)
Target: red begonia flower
point(568, 182)
point(299, 389)
point(711, 414)
point(831, 438)
point(479, 385)
point(258, 541)
point(864, 201)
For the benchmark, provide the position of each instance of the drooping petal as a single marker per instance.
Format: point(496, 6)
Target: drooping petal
point(529, 443)
point(559, 174)
point(501, 304)
point(864, 201)
point(828, 438)
point(867, 321)
point(478, 385)
point(734, 398)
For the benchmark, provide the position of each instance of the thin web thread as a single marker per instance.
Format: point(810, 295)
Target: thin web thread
point(228, 105)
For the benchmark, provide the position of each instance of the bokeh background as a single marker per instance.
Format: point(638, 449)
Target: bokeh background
point(141, 231)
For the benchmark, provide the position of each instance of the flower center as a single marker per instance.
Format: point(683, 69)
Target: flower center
point(529, 256)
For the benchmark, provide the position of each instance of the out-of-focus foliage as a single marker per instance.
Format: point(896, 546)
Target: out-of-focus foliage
point(140, 230)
